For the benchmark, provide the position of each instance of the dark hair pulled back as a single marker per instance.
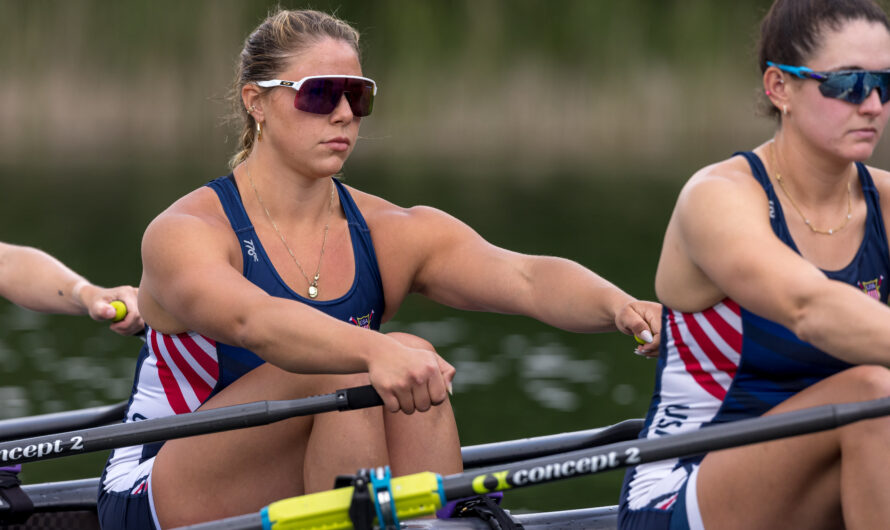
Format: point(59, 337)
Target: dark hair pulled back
point(792, 30)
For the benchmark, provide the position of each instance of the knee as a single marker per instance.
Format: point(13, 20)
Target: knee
point(869, 382)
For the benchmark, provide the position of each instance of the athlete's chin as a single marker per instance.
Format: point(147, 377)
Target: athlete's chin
point(330, 167)
point(862, 150)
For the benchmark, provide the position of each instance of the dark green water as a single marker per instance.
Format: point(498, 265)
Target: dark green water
point(516, 378)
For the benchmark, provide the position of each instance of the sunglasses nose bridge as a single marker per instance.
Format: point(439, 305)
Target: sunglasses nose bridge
point(872, 83)
point(879, 83)
point(339, 105)
point(881, 91)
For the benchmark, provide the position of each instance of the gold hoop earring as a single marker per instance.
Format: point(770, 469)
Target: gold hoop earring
point(785, 110)
point(259, 131)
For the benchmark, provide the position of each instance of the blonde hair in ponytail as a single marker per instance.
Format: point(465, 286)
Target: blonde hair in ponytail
point(282, 35)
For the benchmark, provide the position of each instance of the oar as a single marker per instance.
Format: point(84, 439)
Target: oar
point(69, 420)
point(81, 494)
point(488, 454)
point(182, 425)
point(423, 493)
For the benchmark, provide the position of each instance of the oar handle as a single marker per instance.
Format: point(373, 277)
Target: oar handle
point(182, 425)
point(359, 397)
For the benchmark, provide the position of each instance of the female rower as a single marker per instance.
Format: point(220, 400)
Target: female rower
point(33, 279)
point(774, 277)
point(280, 262)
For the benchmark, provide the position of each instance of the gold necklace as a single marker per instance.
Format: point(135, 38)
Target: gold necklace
point(830, 231)
point(313, 284)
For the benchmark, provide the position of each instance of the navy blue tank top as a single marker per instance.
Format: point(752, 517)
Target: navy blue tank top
point(775, 364)
point(362, 305)
point(725, 364)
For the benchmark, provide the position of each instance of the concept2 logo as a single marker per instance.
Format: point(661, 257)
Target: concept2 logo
point(583, 465)
point(40, 449)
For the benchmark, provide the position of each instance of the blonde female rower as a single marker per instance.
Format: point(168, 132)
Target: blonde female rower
point(270, 283)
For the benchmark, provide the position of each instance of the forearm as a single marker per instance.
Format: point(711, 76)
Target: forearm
point(288, 334)
point(33, 279)
point(567, 295)
point(845, 323)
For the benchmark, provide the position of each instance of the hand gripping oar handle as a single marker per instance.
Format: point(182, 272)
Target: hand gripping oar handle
point(182, 425)
point(423, 493)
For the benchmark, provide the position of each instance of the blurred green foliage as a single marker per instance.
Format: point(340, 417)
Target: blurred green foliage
point(573, 82)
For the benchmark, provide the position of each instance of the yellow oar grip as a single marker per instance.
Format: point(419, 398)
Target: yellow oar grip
point(120, 310)
point(414, 496)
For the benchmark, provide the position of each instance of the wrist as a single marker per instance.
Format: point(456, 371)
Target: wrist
point(81, 293)
point(620, 301)
point(77, 291)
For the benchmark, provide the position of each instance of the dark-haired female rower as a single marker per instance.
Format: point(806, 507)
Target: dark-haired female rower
point(774, 276)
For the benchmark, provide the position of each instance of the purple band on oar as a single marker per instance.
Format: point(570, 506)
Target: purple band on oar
point(14, 469)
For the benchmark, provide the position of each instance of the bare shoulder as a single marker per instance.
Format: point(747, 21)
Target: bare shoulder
point(384, 217)
point(725, 181)
point(195, 216)
point(881, 179)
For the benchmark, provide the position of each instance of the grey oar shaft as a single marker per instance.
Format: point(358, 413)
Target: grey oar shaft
point(180, 426)
point(251, 521)
point(634, 452)
point(624, 454)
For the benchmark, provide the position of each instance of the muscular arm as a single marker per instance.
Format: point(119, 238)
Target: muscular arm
point(722, 223)
point(189, 282)
point(457, 267)
point(35, 280)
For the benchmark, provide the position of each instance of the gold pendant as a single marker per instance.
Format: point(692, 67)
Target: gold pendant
point(313, 291)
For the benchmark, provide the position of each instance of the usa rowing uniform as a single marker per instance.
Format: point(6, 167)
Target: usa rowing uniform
point(176, 374)
point(726, 363)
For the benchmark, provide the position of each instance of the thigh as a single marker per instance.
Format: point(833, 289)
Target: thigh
point(408, 443)
point(423, 441)
point(344, 442)
point(240, 471)
point(792, 482)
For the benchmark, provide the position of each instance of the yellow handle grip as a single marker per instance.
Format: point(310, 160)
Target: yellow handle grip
point(120, 310)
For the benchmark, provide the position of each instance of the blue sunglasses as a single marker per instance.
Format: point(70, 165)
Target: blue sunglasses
point(853, 86)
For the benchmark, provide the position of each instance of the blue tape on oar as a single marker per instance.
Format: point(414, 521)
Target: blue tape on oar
point(264, 517)
point(381, 480)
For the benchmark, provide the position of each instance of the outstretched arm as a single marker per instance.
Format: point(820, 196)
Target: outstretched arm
point(35, 280)
point(459, 268)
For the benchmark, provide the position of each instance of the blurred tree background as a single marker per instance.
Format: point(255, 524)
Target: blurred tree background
point(526, 86)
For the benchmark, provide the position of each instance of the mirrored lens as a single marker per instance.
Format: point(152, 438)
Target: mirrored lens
point(321, 95)
point(360, 95)
point(855, 87)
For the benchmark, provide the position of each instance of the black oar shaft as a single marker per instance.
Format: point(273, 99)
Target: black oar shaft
point(182, 425)
point(630, 453)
